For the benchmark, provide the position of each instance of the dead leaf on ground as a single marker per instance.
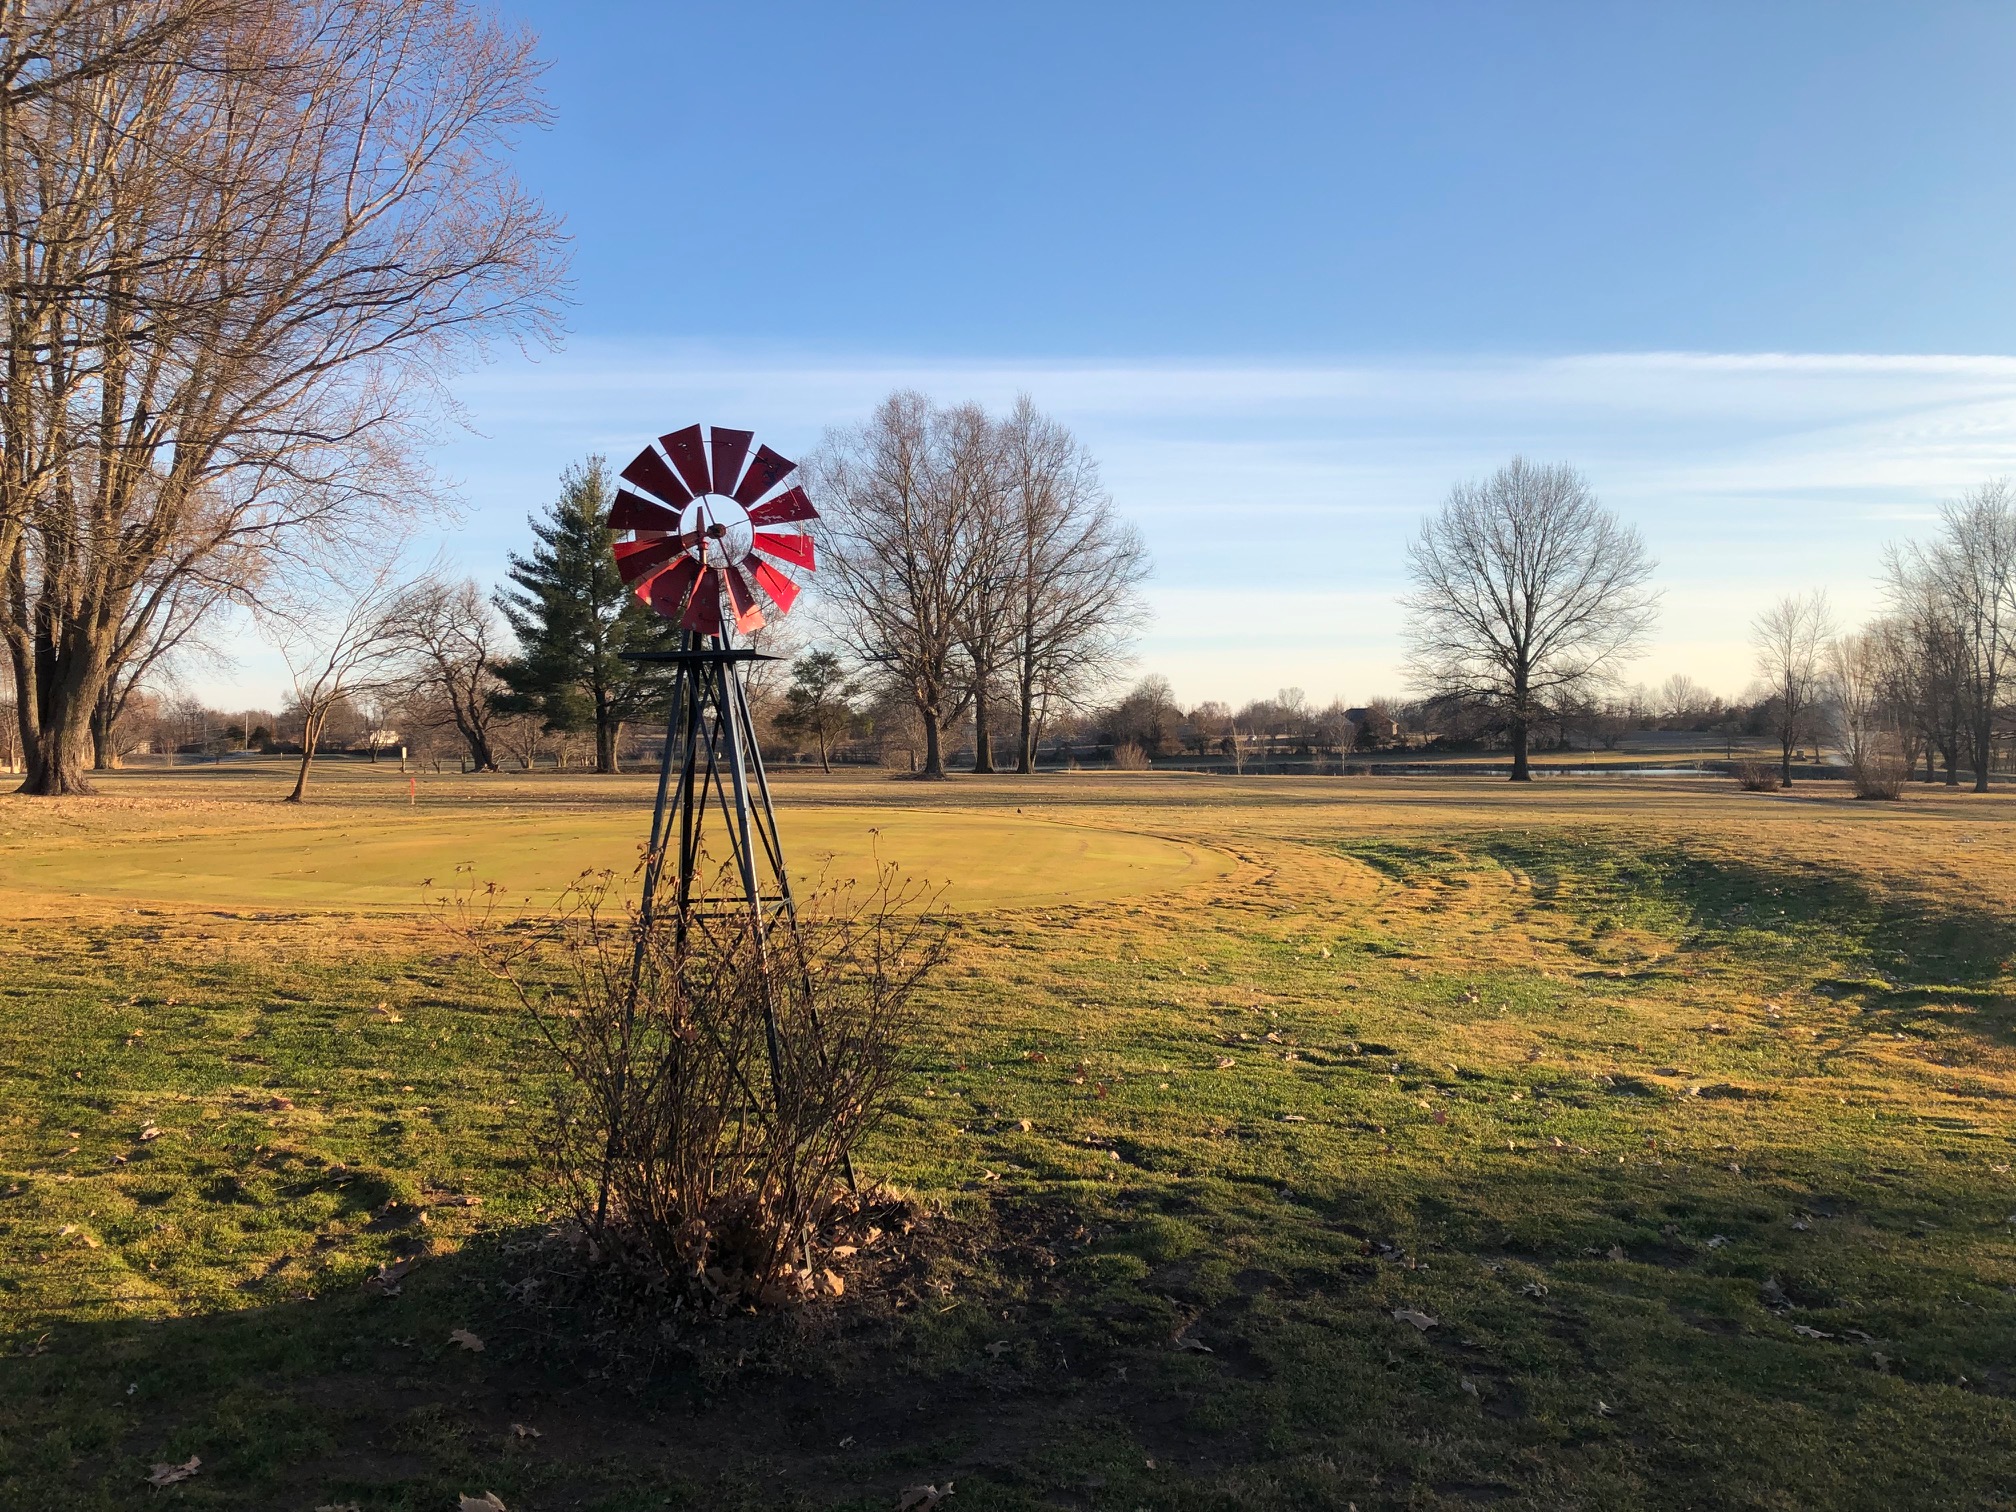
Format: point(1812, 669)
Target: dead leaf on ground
point(467, 1340)
point(1226, 1063)
point(149, 1132)
point(526, 1430)
point(165, 1474)
point(489, 1501)
point(1419, 1319)
point(1805, 1332)
point(921, 1498)
point(386, 1282)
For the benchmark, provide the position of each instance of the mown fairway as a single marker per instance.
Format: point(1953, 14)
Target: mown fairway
point(1684, 1113)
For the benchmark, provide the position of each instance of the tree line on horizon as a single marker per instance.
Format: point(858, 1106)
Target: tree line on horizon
point(533, 671)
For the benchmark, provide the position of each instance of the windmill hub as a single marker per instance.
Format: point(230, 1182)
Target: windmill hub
point(724, 524)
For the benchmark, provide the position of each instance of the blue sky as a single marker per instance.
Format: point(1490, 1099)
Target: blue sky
point(1292, 270)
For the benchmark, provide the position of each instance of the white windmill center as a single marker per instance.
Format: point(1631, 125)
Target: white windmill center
point(724, 525)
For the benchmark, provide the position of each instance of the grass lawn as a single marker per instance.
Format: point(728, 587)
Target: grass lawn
point(1299, 1143)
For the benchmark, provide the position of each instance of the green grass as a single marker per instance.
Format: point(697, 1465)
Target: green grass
point(1626, 1091)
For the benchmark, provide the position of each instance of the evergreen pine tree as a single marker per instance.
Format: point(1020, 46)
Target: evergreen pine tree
point(573, 615)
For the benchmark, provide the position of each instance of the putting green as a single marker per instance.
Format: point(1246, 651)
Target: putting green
point(387, 861)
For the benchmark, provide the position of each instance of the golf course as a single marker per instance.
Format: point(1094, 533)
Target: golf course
point(1281, 1143)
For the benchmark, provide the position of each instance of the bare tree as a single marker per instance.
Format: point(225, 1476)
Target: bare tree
point(1961, 591)
point(1865, 729)
point(1790, 639)
point(449, 635)
point(341, 636)
point(1525, 590)
point(241, 245)
point(982, 623)
point(903, 496)
point(1680, 699)
point(522, 737)
point(1072, 572)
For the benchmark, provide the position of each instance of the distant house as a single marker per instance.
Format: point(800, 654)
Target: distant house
point(1382, 725)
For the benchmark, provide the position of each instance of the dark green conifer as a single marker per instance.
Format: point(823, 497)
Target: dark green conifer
point(574, 615)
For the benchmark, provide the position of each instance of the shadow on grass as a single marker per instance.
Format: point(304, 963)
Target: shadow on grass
point(1598, 1337)
point(1888, 949)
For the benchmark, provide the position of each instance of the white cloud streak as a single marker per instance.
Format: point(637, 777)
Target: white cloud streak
point(1277, 498)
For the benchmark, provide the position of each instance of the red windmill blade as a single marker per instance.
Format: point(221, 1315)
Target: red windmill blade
point(788, 506)
point(648, 471)
point(795, 549)
point(701, 556)
point(633, 513)
point(779, 589)
point(729, 448)
point(742, 600)
point(765, 473)
point(689, 454)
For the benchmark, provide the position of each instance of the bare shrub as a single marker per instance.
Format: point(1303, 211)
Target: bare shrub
point(1129, 757)
point(1878, 774)
point(712, 1090)
point(1757, 777)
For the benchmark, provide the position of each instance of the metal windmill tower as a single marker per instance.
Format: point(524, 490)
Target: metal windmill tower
point(703, 544)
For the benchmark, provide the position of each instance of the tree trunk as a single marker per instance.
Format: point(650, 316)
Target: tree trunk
point(1984, 754)
point(311, 736)
point(1521, 739)
point(983, 733)
point(934, 754)
point(61, 736)
point(605, 744)
point(1785, 762)
point(104, 757)
point(824, 764)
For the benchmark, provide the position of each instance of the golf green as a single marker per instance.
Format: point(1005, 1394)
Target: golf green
point(380, 861)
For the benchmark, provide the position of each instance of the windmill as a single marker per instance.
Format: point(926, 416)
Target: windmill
point(705, 551)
